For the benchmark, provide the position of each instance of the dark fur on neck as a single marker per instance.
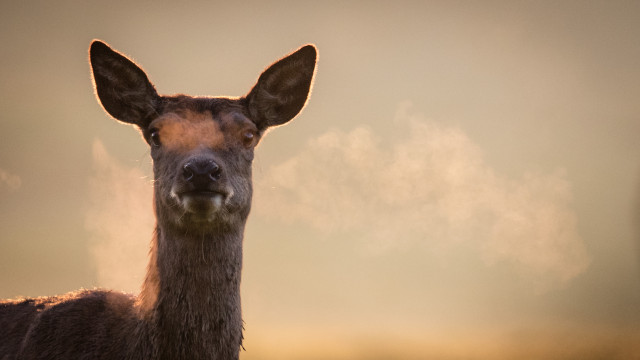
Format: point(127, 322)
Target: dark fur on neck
point(187, 309)
point(195, 310)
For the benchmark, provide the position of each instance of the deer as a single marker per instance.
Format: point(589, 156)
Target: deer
point(202, 149)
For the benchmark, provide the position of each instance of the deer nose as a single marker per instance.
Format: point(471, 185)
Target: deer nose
point(201, 171)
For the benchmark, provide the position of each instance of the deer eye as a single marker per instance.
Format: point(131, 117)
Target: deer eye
point(154, 137)
point(249, 138)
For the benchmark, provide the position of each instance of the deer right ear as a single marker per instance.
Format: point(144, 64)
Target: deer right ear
point(122, 87)
point(282, 90)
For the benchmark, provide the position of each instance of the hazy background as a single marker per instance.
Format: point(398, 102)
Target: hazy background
point(463, 184)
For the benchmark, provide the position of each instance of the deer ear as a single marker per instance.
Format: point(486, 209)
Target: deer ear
point(282, 89)
point(122, 87)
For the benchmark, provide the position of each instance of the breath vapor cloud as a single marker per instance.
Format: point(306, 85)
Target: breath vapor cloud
point(9, 181)
point(429, 189)
point(120, 221)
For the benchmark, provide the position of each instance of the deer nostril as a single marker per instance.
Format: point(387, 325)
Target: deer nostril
point(215, 172)
point(201, 172)
point(187, 172)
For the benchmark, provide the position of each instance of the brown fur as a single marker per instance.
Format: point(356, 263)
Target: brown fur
point(202, 150)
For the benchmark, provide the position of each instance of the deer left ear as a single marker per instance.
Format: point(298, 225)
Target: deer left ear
point(123, 88)
point(283, 88)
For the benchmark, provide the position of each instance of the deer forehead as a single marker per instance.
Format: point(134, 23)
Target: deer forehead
point(188, 130)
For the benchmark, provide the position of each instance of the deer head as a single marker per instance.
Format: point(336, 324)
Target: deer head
point(202, 147)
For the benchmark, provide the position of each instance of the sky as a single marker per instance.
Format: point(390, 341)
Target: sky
point(464, 182)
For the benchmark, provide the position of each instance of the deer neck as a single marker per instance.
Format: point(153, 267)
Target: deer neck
point(191, 296)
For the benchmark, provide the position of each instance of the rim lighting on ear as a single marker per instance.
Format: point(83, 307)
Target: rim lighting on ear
point(282, 90)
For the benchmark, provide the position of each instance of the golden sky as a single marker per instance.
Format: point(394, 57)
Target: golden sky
point(464, 182)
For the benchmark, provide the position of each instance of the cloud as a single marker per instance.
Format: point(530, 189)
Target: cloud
point(120, 221)
point(9, 181)
point(429, 188)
